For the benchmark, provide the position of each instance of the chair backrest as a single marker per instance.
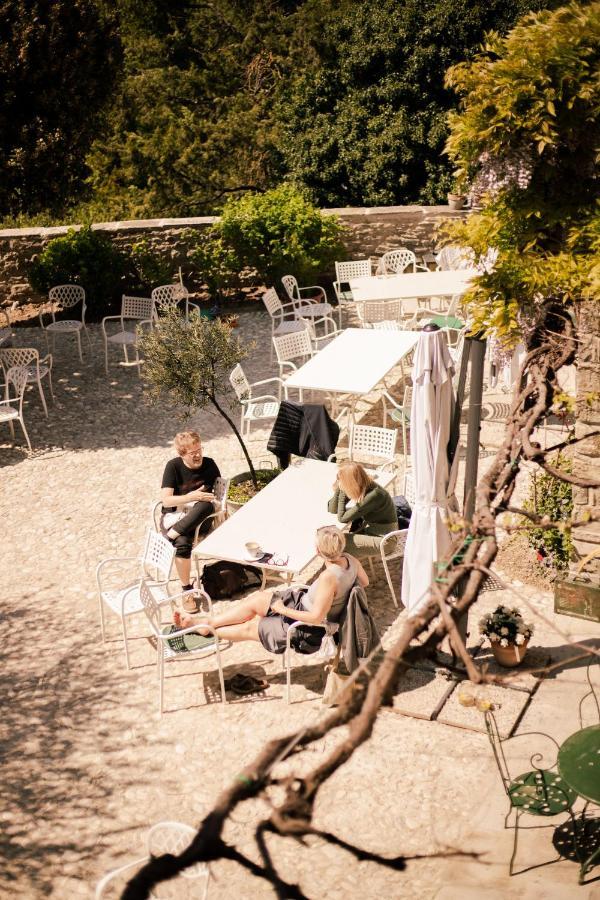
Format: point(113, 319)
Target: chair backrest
point(220, 489)
point(291, 287)
point(393, 544)
point(158, 555)
point(410, 490)
point(137, 307)
point(452, 257)
point(18, 356)
point(272, 302)
point(168, 296)
point(151, 607)
point(174, 838)
point(387, 325)
point(16, 377)
point(372, 441)
point(397, 261)
point(379, 310)
point(240, 383)
point(65, 296)
point(292, 346)
point(354, 268)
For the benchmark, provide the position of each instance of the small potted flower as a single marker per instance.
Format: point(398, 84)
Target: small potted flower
point(508, 634)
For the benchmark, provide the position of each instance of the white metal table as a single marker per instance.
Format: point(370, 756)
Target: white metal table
point(411, 285)
point(354, 363)
point(283, 518)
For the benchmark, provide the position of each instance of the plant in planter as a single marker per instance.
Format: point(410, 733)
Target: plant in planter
point(190, 364)
point(508, 634)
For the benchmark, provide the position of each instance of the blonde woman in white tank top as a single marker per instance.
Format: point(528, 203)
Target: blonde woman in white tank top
point(265, 616)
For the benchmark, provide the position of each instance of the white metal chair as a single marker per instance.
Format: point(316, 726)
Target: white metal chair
point(287, 654)
point(291, 349)
point(318, 342)
point(164, 837)
point(399, 412)
point(387, 325)
point(409, 489)
point(278, 311)
point(155, 562)
point(164, 650)
point(372, 441)
point(255, 409)
point(169, 296)
point(135, 312)
point(371, 311)
point(453, 257)
point(308, 307)
point(392, 547)
point(11, 408)
point(37, 368)
point(344, 271)
point(62, 297)
point(395, 262)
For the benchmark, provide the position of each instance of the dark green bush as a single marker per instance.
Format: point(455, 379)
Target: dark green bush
point(217, 265)
point(281, 232)
point(150, 267)
point(83, 257)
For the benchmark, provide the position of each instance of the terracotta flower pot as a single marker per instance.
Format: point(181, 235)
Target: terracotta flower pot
point(456, 201)
point(510, 656)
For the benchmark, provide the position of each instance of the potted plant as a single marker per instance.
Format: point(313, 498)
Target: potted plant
point(456, 201)
point(508, 634)
point(189, 364)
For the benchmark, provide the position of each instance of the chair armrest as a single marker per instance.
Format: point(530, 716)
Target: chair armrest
point(266, 381)
point(8, 401)
point(143, 322)
point(114, 559)
point(194, 305)
point(180, 631)
point(110, 876)
point(292, 366)
point(385, 396)
point(46, 360)
point(384, 465)
point(262, 397)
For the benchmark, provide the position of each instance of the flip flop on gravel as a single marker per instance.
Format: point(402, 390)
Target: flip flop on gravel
point(246, 684)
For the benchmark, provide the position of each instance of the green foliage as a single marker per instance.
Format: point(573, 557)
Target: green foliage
point(281, 232)
point(526, 140)
point(151, 268)
point(368, 126)
point(84, 257)
point(217, 264)
point(57, 70)
point(551, 497)
point(245, 490)
point(190, 363)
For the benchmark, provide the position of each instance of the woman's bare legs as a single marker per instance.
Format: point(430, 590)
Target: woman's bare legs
point(255, 604)
point(245, 631)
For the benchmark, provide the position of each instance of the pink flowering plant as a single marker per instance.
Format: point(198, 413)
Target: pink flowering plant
point(506, 627)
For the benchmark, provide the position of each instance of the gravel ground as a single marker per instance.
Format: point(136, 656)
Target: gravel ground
point(88, 763)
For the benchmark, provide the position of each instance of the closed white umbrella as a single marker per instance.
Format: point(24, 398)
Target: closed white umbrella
point(428, 535)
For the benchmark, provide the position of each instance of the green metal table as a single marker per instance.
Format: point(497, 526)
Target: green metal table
point(579, 766)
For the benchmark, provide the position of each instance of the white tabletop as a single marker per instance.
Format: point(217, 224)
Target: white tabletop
point(283, 518)
point(355, 361)
point(411, 284)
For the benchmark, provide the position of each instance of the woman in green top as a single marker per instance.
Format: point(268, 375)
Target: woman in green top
point(366, 505)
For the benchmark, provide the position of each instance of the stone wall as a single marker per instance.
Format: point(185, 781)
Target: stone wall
point(370, 232)
point(586, 455)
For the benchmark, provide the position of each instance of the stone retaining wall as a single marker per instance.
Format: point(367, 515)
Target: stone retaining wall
point(370, 232)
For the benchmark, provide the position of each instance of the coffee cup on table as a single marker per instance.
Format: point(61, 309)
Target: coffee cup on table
point(254, 549)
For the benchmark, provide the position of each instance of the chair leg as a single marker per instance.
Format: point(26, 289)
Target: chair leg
point(124, 624)
point(78, 335)
point(516, 837)
point(288, 677)
point(102, 623)
point(43, 399)
point(50, 384)
point(87, 334)
point(371, 567)
point(22, 423)
point(106, 356)
point(161, 677)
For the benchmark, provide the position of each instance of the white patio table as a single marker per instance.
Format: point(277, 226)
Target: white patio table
point(354, 363)
point(283, 518)
point(411, 285)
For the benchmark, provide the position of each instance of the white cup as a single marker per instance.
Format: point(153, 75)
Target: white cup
point(253, 549)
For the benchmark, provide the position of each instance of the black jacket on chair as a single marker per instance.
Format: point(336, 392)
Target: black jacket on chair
point(303, 429)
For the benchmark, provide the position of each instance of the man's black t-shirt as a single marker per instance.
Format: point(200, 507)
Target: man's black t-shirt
point(183, 480)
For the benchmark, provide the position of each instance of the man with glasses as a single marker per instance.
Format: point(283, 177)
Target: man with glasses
point(187, 499)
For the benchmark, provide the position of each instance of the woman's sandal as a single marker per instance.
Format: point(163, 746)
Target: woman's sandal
point(246, 684)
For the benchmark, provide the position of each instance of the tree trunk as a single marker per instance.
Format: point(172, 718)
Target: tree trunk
point(233, 427)
point(586, 455)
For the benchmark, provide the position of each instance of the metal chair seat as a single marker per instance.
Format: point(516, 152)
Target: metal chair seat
point(314, 310)
point(32, 372)
point(541, 793)
point(267, 410)
point(8, 412)
point(288, 328)
point(65, 325)
point(123, 337)
point(170, 653)
point(131, 594)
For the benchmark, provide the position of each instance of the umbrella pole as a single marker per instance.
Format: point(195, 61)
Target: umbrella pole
point(476, 357)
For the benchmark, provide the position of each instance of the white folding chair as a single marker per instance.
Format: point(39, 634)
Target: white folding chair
point(395, 262)
point(63, 297)
point(11, 408)
point(372, 441)
point(399, 412)
point(372, 311)
point(169, 296)
point(165, 653)
point(255, 409)
point(278, 312)
point(313, 307)
point(291, 351)
point(37, 369)
point(164, 837)
point(344, 271)
point(392, 547)
point(136, 312)
point(155, 563)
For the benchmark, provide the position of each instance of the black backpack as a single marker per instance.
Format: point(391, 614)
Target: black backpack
point(221, 580)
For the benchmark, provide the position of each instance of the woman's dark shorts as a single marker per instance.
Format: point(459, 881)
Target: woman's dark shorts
point(273, 628)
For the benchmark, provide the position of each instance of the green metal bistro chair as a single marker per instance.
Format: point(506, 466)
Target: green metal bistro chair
point(538, 792)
